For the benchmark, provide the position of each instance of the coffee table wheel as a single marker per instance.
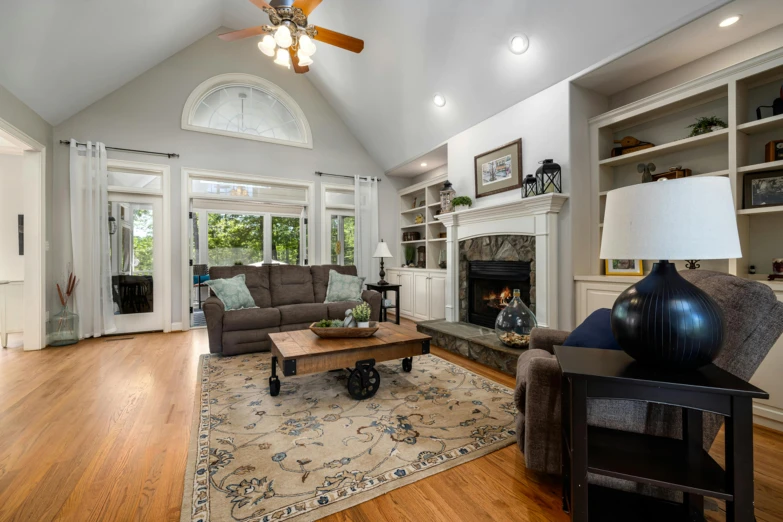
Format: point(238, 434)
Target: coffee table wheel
point(364, 380)
point(407, 364)
point(274, 386)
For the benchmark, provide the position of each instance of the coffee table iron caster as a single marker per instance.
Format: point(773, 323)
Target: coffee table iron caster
point(407, 364)
point(364, 380)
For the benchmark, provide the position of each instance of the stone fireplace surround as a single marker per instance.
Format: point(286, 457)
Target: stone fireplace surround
point(534, 217)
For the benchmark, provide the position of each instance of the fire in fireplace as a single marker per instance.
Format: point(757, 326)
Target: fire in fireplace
point(490, 288)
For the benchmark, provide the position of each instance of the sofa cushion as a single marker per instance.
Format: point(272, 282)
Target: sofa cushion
point(251, 319)
point(344, 288)
point(321, 278)
point(233, 292)
point(295, 326)
point(337, 310)
point(302, 313)
point(594, 332)
point(247, 341)
point(291, 285)
point(256, 279)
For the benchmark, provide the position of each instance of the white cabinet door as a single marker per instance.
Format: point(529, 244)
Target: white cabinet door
point(591, 296)
point(437, 296)
point(406, 293)
point(393, 277)
point(421, 296)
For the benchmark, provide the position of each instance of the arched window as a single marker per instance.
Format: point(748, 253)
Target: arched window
point(246, 106)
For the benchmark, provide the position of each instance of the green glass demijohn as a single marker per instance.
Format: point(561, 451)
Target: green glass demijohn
point(514, 324)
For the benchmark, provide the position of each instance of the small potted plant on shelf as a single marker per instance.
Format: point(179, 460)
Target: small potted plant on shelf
point(461, 202)
point(706, 124)
point(362, 315)
point(410, 255)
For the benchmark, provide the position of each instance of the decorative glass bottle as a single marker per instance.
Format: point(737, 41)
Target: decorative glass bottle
point(514, 323)
point(63, 328)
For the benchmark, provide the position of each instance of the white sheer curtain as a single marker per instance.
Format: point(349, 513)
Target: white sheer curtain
point(90, 239)
point(366, 239)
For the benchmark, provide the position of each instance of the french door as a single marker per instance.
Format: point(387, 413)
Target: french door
point(342, 237)
point(136, 243)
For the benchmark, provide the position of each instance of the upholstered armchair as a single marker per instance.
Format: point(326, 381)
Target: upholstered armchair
point(754, 322)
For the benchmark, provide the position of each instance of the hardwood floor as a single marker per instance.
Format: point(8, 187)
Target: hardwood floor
point(99, 432)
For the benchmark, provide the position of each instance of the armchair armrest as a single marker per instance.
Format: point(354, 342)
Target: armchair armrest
point(546, 339)
point(373, 298)
point(213, 313)
point(542, 438)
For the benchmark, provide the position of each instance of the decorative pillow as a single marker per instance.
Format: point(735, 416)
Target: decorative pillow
point(594, 332)
point(233, 292)
point(343, 288)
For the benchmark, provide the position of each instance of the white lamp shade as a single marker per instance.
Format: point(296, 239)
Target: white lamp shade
point(304, 59)
point(382, 250)
point(283, 37)
point(269, 51)
point(306, 45)
point(283, 58)
point(690, 218)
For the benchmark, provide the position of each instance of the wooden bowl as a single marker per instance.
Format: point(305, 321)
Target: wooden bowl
point(337, 333)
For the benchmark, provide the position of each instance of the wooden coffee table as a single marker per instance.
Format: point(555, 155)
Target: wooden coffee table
point(302, 352)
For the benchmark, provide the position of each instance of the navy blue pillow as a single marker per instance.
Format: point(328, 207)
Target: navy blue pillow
point(594, 332)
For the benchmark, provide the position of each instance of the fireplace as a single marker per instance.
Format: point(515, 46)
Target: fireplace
point(490, 285)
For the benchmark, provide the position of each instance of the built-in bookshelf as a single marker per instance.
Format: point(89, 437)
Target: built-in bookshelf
point(422, 199)
point(732, 94)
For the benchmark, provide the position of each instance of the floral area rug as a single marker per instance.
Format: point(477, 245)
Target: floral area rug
point(313, 450)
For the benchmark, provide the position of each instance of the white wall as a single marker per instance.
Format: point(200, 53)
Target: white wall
point(11, 205)
point(146, 112)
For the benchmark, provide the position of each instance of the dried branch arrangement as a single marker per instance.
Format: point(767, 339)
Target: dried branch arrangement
point(69, 289)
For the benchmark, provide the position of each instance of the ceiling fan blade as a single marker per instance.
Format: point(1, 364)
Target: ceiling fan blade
point(307, 6)
point(243, 33)
point(260, 4)
point(340, 40)
point(300, 69)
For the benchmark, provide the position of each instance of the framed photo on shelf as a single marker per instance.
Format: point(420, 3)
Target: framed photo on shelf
point(624, 267)
point(763, 189)
point(499, 170)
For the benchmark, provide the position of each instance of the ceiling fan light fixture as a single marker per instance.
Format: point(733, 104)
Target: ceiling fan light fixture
point(283, 37)
point(306, 45)
point(267, 45)
point(518, 43)
point(439, 100)
point(283, 58)
point(304, 60)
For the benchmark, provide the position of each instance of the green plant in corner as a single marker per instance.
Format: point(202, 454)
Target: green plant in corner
point(460, 201)
point(705, 124)
point(362, 313)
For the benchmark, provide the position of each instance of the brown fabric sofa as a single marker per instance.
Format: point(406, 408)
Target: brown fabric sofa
point(754, 322)
point(288, 298)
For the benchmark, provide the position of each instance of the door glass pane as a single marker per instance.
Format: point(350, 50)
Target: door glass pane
point(336, 245)
point(132, 255)
point(342, 240)
point(235, 239)
point(348, 241)
point(285, 240)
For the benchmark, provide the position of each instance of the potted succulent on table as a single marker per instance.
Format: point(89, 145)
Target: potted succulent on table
point(706, 124)
point(461, 203)
point(362, 315)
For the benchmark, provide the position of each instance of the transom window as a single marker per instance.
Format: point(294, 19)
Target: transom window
point(246, 106)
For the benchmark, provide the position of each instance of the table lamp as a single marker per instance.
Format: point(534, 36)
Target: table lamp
point(663, 319)
point(381, 252)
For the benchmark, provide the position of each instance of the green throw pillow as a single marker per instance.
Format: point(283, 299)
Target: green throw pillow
point(233, 292)
point(343, 288)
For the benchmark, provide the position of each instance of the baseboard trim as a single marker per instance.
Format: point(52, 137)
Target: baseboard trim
point(768, 416)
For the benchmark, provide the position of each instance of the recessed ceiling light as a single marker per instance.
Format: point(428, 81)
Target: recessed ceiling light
point(439, 99)
point(424, 164)
point(518, 43)
point(730, 21)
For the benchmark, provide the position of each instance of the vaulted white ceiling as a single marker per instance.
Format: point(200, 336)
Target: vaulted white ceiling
point(59, 56)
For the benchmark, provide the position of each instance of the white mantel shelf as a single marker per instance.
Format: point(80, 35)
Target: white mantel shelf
point(531, 206)
point(534, 216)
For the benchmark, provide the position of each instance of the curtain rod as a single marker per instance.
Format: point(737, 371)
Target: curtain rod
point(319, 173)
point(134, 151)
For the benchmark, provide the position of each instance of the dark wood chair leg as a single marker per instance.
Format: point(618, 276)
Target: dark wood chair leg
point(739, 460)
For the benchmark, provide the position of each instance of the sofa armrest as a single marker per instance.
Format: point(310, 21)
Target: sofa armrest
point(373, 298)
point(546, 339)
point(213, 313)
point(542, 438)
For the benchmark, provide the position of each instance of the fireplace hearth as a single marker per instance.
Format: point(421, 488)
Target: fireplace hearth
point(490, 286)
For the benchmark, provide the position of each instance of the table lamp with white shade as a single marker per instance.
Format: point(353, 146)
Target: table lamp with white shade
point(663, 319)
point(382, 251)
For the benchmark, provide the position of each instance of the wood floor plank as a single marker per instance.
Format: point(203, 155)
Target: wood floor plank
point(99, 431)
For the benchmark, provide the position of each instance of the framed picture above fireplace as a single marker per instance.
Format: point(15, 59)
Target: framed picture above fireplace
point(499, 170)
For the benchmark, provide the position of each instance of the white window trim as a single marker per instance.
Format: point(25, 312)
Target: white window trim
point(223, 80)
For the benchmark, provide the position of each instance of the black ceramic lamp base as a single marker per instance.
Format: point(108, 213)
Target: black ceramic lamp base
point(664, 320)
point(382, 273)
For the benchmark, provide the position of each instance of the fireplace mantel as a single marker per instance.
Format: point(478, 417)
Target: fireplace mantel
point(533, 216)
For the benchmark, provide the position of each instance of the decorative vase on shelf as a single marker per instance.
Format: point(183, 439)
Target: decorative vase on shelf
point(63, 329)
point(514, 323)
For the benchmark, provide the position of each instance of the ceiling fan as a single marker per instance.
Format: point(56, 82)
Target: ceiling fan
point(289, 37)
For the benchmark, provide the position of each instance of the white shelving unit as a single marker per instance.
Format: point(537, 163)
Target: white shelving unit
point(430, 229)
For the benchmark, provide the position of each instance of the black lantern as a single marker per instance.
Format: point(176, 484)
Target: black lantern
point(548, 178)
point(529, 186)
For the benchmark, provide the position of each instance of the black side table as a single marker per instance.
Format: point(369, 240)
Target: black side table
point(681, 465)
point(384, 309)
